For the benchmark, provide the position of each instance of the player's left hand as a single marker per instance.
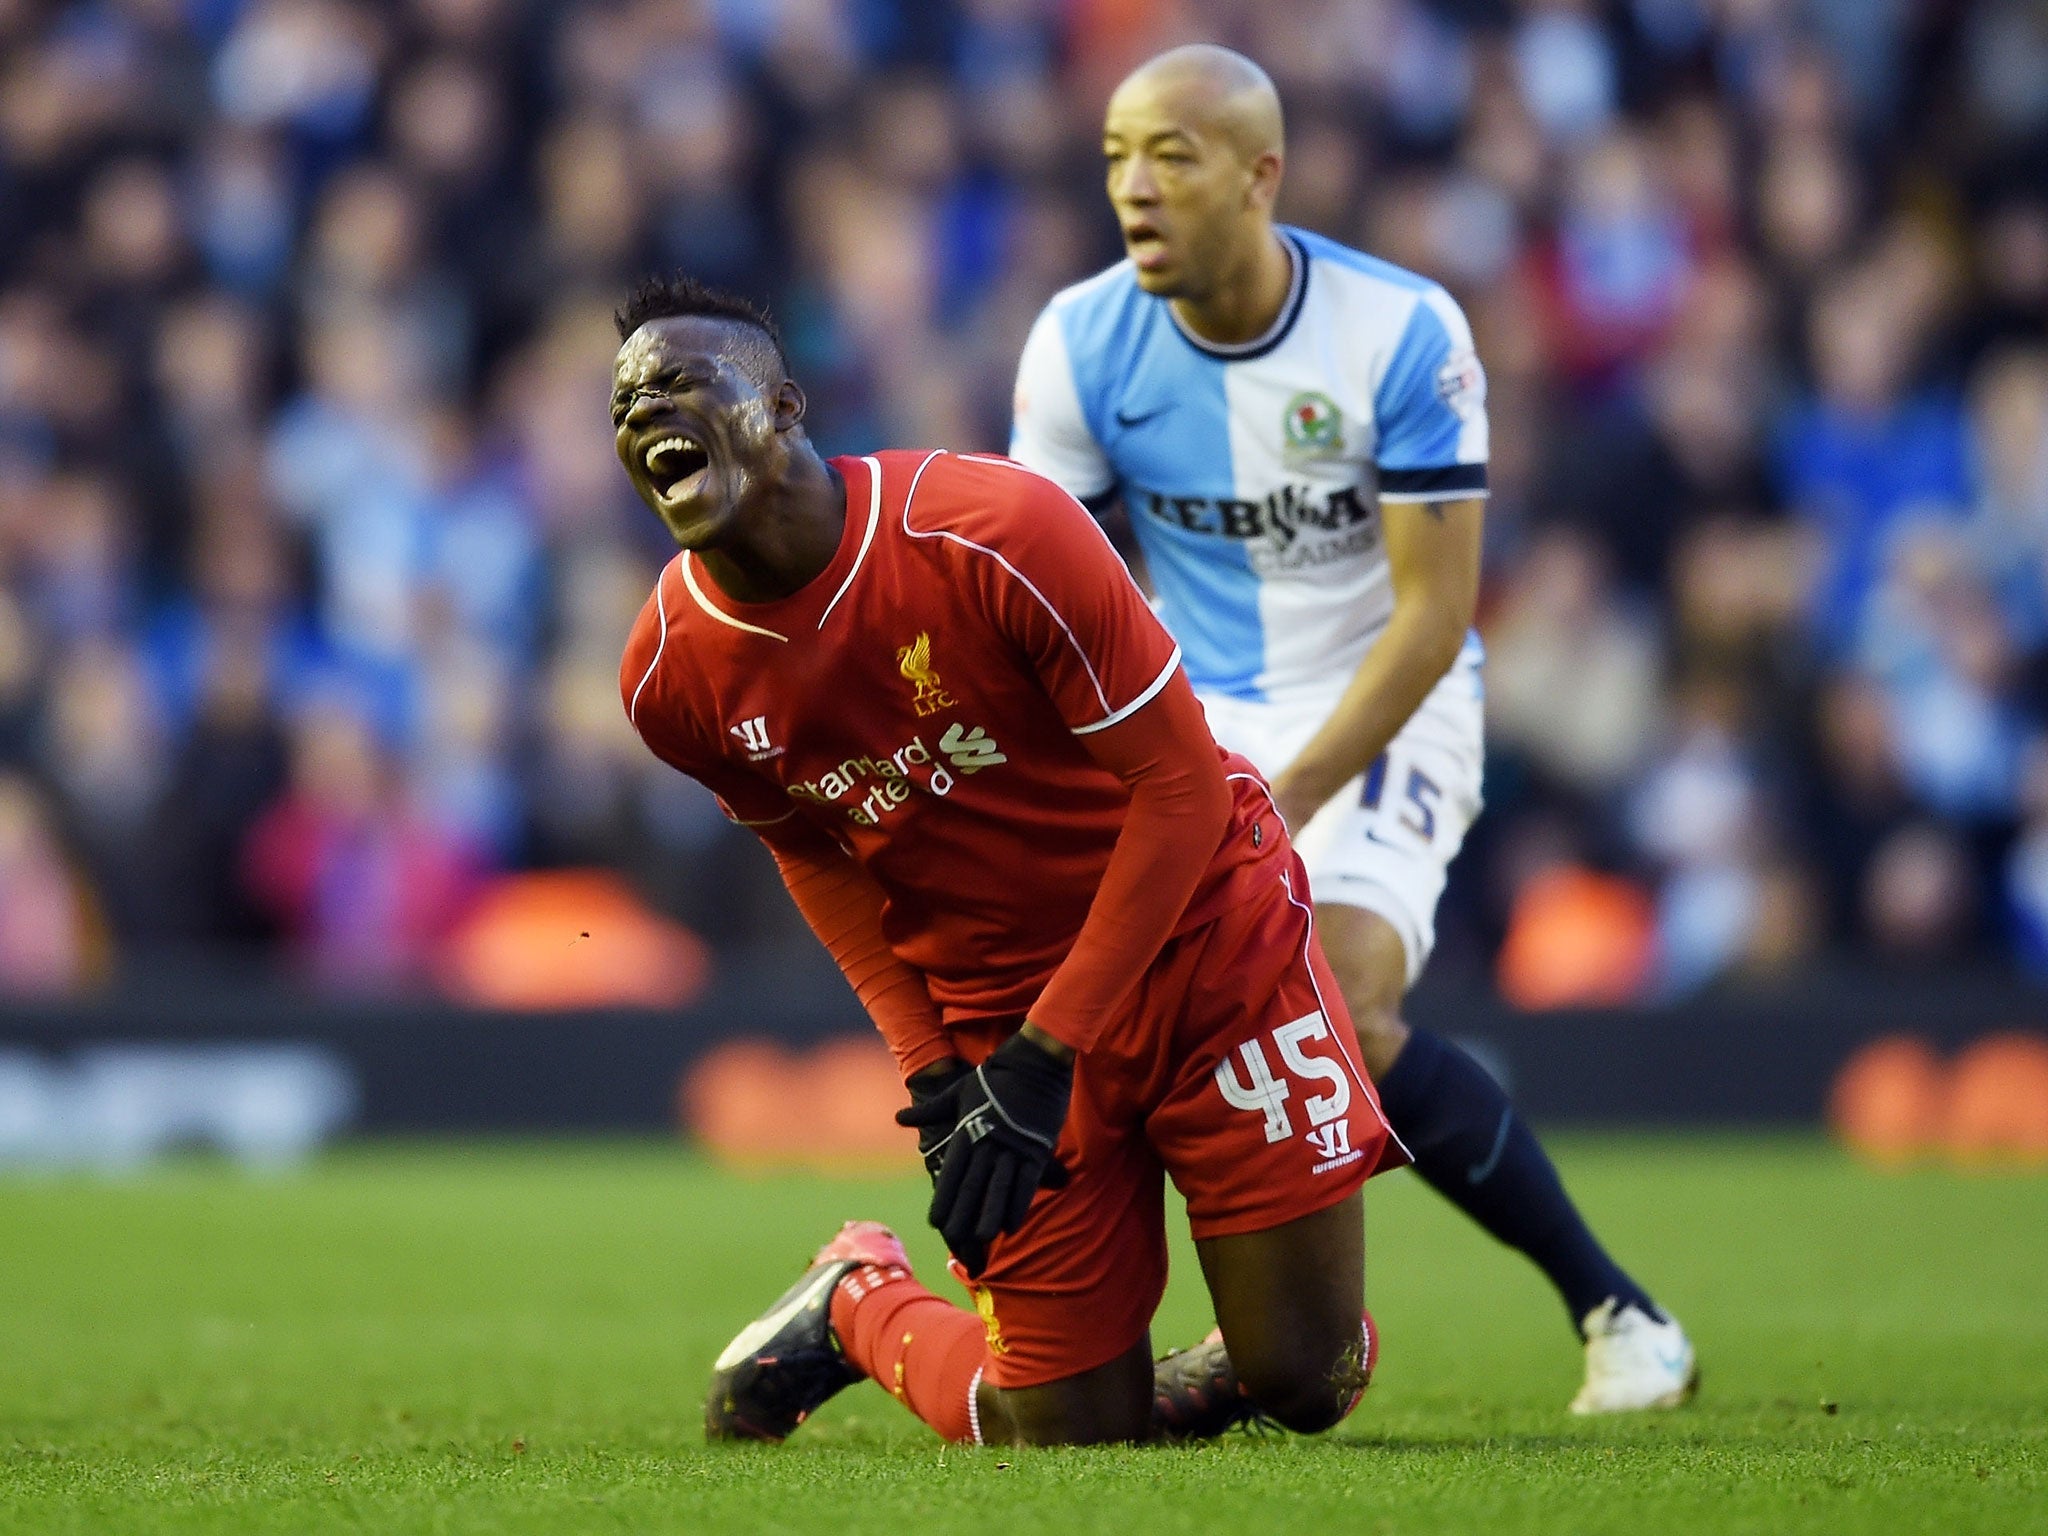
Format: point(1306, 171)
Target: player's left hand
point(935, 1082)
point(1006, 1118)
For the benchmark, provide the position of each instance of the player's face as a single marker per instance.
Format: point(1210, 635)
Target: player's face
point(694, 430)
point(1186, 199)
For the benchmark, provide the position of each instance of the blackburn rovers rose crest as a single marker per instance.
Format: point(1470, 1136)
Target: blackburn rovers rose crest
point(1313, 425)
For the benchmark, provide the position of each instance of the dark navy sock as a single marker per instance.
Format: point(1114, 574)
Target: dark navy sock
point(1474, 1150)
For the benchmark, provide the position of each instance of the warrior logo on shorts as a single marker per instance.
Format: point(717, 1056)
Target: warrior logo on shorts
point(1332, 1140)
point(1314, 426)
point(914, 661)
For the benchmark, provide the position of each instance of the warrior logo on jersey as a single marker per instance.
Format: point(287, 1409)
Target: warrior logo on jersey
point(1313, 424)
point(914, 661)
point(753, 735)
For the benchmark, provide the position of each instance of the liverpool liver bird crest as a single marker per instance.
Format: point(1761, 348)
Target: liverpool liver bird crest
point(914, 661)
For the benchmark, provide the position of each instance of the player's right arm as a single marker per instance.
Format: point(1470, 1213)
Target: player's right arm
point(839, 900)
point(843, 906)
point(1431, 458)
point(1048, 429)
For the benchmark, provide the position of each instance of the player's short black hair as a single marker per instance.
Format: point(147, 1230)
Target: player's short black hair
point(678, 294)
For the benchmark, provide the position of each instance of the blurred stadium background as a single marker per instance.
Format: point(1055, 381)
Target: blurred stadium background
point(317, 806)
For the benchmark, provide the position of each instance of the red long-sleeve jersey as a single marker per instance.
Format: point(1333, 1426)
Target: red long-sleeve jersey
point(974, 705)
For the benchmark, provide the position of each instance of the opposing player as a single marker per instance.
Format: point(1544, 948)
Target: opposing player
point(931, 688)
point(1297, 433)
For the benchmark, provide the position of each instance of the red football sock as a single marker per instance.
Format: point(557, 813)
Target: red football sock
point(926, 1352)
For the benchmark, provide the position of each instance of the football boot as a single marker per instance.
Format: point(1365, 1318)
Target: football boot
point(787, 1362)
point(1196, 1394)
point(1634, 1361)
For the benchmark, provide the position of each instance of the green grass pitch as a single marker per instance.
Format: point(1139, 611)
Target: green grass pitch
point(515, 1339)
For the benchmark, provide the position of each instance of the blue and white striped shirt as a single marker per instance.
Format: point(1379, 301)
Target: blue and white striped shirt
point(1253, 473)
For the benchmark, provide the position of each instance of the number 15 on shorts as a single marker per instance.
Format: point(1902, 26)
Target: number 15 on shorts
point(1418, 806)
point(1247, 1081)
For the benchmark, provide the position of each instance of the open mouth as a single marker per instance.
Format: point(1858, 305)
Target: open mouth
point(1146, 245)
point(674, 466)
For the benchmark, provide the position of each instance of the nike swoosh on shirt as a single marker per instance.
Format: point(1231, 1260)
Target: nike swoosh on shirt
point(762, 1329)
point(1134, 418)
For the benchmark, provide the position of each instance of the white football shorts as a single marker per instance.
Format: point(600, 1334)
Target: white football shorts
point(1385, 841)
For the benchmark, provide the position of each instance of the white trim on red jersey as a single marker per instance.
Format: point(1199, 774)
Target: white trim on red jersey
point(741, 821)
point(1151, 692)
point(967, 543)
point(690, 581)
point(874, 521)
point(661, 609)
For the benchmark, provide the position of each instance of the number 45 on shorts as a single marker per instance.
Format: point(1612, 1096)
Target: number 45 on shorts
point(1258, 1089)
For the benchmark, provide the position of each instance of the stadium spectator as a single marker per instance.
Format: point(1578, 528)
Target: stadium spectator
point(302, 305)
point(49, 934)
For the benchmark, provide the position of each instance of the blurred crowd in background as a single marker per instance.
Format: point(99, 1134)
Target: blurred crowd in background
point(315, 564)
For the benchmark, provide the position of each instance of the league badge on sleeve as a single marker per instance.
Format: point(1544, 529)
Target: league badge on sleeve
point(1461, 384)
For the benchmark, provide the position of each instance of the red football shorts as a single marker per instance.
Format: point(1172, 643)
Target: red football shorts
point(1234, 1072)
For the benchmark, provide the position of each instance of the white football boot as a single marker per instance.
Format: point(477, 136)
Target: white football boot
point(1634, 1362)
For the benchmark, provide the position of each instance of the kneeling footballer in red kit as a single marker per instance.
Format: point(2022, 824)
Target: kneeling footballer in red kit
point(928, 684)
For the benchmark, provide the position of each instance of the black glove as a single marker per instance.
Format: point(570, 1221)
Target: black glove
point(1000, 1124)
point(935, 1082)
